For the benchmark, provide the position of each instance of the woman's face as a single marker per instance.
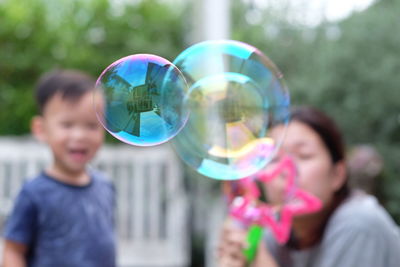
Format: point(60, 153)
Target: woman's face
point(316, 172)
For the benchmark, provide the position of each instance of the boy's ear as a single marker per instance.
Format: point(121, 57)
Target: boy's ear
point(37, 128)
point(340, 175)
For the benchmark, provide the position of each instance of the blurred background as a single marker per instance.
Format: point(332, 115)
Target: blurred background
point(341, 56)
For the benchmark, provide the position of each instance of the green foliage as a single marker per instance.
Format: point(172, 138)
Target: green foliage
point(87, 35)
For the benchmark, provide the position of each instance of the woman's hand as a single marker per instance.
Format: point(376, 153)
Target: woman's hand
point(233, 241)
point(231, 245)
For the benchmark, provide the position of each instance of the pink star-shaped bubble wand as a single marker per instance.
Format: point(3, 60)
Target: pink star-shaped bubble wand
point(295, 200)
point(248, 209)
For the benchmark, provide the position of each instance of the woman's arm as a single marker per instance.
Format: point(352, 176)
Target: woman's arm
point(14, 254)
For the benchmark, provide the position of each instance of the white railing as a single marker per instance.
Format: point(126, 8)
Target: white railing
point(152, 204)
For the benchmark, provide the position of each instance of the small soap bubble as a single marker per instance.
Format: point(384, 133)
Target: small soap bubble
point(143, 100)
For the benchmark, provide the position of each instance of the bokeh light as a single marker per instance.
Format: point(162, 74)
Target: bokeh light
point(143, 100)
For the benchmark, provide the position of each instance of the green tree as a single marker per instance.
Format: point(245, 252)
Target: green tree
point(87, 35)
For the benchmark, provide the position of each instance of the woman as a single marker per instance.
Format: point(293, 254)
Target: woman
point(351, 229)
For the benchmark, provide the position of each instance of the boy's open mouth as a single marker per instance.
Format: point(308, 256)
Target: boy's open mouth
point(78, 153)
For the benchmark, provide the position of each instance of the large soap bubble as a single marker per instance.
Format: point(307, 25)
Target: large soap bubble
point(143, 100)
point(236, 94)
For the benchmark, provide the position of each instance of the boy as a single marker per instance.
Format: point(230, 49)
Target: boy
point(64, 217)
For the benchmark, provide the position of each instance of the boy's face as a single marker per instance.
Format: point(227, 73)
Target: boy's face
point(72, 131)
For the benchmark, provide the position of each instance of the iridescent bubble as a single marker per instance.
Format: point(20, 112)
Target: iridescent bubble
point(143, 100)
point(236, 94)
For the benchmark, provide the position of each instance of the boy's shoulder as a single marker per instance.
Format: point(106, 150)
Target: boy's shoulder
point(100, 178)
point(97, 175)
point(37, 183)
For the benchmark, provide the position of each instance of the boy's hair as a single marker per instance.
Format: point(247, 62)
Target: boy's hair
point(71, 84)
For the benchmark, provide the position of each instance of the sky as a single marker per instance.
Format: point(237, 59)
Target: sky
point(312, 12)
point(308, 12)
point(334, 10)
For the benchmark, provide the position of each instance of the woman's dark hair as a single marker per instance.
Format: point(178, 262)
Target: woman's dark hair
point(329, 132)
point(71, 84)
point(331, 136)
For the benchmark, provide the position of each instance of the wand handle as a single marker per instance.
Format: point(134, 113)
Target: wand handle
point(254, 235)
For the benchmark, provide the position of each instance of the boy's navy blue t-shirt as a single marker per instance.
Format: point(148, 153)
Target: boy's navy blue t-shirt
point(65, 225)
